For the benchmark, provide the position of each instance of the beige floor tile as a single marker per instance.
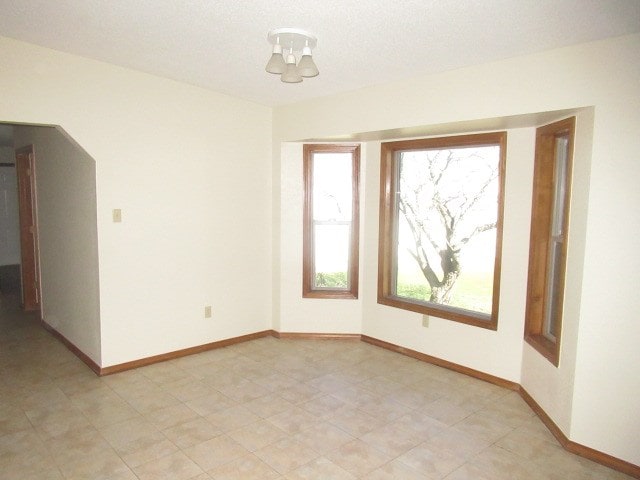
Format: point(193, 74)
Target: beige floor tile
point(138, 442)
point(208, 404)
point(103, 466)
point(232, 418)
point(188, 389)
point(192, 432)
point(150, 401)
point(12, 420)
point(309, 409)
point(299, 393)
point(393, 439)
point(268, 406)
point(483, 427)
point(396, 470)
point(168, 417)
point(323, 437)
point(54, 421)
point(294, 420)
point(355, 422)
point(463, 444)
point(248, 467)
point(275, 382)
point(432, 462)
point(215, 452)
point(496, 462)
point(530, 447)
point(445, 411)
point(286, 455)
point(77, 445)
point(320, 469)
point(423, 425)
point(50, 473)
point(325, 406)
point(163, 373)
point(244, 391)
point(384, 409)
point(358, 457)
point(257, 435)
point(23, 453)
point(172, 467)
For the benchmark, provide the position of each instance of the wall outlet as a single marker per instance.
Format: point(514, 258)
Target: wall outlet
point(425, 321)
point(207, 311)
point(117, 215)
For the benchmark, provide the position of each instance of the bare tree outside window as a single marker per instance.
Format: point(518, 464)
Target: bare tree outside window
point(443, 213)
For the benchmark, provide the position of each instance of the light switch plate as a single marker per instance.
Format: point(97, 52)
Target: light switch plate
point(117, 215)
point(207, 312)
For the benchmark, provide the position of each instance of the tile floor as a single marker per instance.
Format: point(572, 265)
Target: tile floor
point(265, 409)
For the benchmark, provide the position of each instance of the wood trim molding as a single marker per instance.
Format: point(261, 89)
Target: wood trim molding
point(576, 448)
point(442, 363)
point(75, 350)
point(317, 336)
point(121, 367)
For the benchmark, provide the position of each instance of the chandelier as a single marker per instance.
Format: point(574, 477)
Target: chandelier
point(290, 40)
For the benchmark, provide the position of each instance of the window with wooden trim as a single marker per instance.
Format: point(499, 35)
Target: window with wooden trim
point(548, 238)
point(441, 205)
point(331, 221)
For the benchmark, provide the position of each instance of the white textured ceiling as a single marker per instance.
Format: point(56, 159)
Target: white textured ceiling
point(221, 44)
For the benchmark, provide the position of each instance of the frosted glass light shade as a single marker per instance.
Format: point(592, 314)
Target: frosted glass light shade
point(291, 74)
point(306, 66)
point(293, 40)
point(276, 63)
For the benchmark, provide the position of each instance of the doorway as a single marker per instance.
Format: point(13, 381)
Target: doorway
point(30, 256)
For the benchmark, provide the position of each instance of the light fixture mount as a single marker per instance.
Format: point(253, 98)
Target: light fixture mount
point(292, 37)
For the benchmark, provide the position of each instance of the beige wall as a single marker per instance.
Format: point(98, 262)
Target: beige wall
point(191, 171)
point(592, 395)
point(68, 238)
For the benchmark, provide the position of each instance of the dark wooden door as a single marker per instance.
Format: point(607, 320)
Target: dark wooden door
point(30, 268)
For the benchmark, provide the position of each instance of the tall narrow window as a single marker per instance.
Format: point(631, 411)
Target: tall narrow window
point(441, 226)
point(548, 239)
point(331, 221)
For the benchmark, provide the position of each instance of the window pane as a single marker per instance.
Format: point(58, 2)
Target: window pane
point(553, 287)
point(446, 216)
point(560, 183)
point(331, 243)
point(332, 186)
point(331, 223)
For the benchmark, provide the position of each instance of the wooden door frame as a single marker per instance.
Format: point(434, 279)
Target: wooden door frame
point(29, 248)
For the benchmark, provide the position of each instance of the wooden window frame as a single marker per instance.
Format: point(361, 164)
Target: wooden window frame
point(387, 228)
point(541, 213)
point(308, 271)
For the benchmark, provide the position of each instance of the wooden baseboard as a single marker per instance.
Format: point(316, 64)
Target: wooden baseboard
point(75, 350)
point(442, 363)
point(182, 353)
point(573, 447)
point(317, 336)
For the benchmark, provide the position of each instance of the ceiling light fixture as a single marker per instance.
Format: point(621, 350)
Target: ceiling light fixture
point(293, 40)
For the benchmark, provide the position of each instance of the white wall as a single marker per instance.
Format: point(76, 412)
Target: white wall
point(68, 238)
point(9, 224)
point(602, 303)
point(191, 171)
